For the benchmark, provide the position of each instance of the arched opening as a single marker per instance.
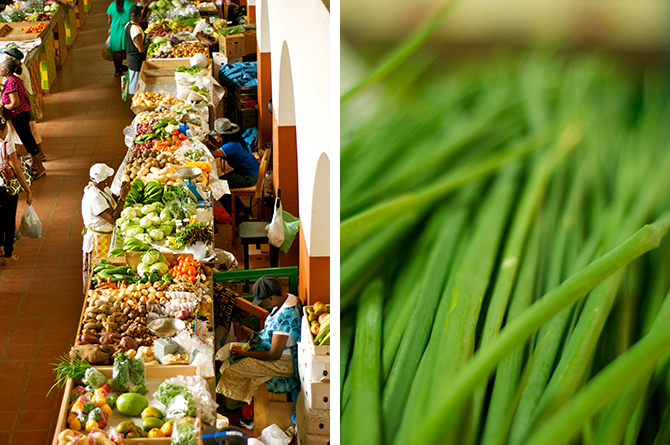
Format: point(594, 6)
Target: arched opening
point(319, 237)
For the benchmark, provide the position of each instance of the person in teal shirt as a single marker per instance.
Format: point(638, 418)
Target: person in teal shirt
point(118, 15)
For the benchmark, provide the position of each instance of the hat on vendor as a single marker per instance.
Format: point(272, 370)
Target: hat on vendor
point(100, 172)
point(224, 126)
point(13, 52)
point(135, 11)
point(265, 287)
point(229, 435)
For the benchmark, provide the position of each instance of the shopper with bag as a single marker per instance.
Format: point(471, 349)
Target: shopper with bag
point(17, 110)
point(272, 357)
point(118, 14)
point(12, 181)
point(100, 210)
point(35, 111)
point(136, 47)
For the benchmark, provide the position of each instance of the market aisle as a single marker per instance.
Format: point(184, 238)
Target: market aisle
point(41, 297)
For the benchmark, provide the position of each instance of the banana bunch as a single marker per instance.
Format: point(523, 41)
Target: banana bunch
point(33, 17)
point(323, 337)
point(144, 194)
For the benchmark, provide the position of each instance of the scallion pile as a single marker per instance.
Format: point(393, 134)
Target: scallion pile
point(498, 273)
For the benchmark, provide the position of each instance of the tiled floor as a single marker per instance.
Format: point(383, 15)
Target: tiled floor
point(40, 296)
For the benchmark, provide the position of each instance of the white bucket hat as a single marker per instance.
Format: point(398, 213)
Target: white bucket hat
point(100, 172)
point(224, 126)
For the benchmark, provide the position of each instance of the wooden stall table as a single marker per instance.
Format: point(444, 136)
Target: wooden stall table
point(80, 13)
point(11, 32)
point(70, 22)
point(86, 6)
point(60, 36)
point(32, 62)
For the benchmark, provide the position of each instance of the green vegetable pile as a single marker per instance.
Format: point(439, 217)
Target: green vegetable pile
point(106, 271)
point(128, 375)
point(153, 267)
point(496, 287)
point(197, 232)
point(190, 70)
point(142, 225)
point(141, 193)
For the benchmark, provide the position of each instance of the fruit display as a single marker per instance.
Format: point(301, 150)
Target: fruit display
point(164, 5)
point(35, 29)
point(318, 317)
point(152, 165)
point(165, 27)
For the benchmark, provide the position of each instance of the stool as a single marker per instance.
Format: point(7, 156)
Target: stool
point(271, 408)
point(253, 232)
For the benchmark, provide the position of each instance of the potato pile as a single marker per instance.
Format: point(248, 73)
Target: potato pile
point(149, 99)
point(151, 164)
point(186, 49)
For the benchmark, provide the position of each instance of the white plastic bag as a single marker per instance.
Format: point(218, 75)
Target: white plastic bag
point(200, 60)
point(276, 226)
point(31, 226)
point(273, 435)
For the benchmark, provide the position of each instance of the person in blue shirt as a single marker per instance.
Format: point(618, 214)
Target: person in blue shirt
point(272, 357)
point(238, 156)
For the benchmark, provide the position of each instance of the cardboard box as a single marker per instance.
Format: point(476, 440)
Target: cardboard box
point(154, 375)
point(245, 118)
point(311, 421)
point(312, 439)
point(232, 45)
point(315, 368)
point(317, 394)
point(250, 46)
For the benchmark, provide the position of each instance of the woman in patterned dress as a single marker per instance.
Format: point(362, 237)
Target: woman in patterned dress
point(99, 209)
point(272, 357)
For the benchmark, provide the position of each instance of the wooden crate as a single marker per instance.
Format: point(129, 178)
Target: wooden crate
point(152, 372)
point(161, 71)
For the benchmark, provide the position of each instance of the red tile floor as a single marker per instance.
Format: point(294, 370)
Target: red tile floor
point(41, 296)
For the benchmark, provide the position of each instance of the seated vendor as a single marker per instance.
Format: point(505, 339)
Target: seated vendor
point(272, 357)
point(238, 156)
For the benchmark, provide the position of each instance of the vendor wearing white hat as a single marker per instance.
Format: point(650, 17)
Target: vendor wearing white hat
point(99, 209)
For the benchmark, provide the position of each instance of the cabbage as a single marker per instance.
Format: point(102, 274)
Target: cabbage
point(146, 239)
point(138, 209)
point(125, 224)
point(159, 268)
point(136, 221)
point(156, 234)
point(166, 215)
point(166, 228)
point(154, 218)
point(159, 206)
point(150, 256)
point(142, 269)
point(148, 208)
point(134, 230)
point(146, 222)
point(128, 213)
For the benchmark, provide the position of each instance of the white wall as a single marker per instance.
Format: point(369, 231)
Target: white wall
point(302, 28)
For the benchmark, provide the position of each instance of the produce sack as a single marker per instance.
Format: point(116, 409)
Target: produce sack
point(276, 226)
point(184, 434)
point(128, 375)
point(31, 226)
point(291, 227)
point(107, 52)
point(182, 405)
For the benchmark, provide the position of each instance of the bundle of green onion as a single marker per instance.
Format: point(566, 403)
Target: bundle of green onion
point(496, 286)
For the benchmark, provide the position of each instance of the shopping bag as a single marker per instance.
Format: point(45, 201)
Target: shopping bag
point(276, 226)
point(107, 52)
point(291, 227)
point(31, 226)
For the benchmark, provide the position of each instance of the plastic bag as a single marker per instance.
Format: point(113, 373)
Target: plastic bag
point(31, 226)
point(276, 226)
point(196, 387)
point(125, 86)
point(94, 378)
point(107, 52)
point(128, 374)
point(182, 405)
point(184, 434)
point(291, 227)
point(200, 60)
point(273, 435)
